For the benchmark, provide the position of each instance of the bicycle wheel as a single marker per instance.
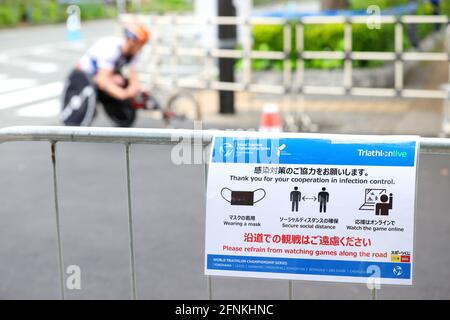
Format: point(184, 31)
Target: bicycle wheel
point(184, 108)
point(79, 100)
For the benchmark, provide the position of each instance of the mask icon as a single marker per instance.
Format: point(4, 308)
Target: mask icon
point(241, 198)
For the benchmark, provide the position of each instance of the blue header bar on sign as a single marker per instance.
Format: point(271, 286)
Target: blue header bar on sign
point(341, 268)
point(313, 151)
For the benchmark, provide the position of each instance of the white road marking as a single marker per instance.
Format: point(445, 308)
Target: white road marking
point(26, 96)
point(52, 53)
point(79, 46)
point(46, 109)
point(76, 46)
point(39, 67)
point(62, 50)
point(43, 52)
point(42, 67)
point(40, 50)
point(7, 85)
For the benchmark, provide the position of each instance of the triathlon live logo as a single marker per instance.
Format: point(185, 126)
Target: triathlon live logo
point(382, 153)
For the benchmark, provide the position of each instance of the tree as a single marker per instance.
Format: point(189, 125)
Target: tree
point(334, 4)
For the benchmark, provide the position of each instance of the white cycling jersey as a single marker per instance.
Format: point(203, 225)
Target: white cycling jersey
point(106, 53)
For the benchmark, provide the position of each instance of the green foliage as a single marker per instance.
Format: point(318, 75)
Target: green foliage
point(383, 4)
point(331, 37)
point(323, 38)
point(53, 12)
point(165, 6)
point(7, 16)
point(37, 9)
point(424, 29)
point(382, 39)
point(268, 37)
point(445, 7)
point(49, 11)
point(90, 11)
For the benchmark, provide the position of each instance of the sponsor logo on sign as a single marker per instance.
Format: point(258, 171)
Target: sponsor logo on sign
point(405, 259)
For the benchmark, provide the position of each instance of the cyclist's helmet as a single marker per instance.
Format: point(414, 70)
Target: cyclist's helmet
point(137, 32)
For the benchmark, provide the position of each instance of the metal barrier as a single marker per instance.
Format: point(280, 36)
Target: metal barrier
point(127, 137)
point(167, 44)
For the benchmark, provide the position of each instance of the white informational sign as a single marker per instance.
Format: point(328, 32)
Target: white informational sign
point(311, 207)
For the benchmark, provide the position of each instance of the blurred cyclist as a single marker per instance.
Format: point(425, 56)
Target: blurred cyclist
point(98, 76)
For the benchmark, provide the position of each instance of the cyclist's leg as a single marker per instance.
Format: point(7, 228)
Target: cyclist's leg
point(120, 111)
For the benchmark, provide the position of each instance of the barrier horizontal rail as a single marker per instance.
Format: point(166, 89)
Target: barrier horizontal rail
point(102, 135)
point(150, 136)
point(361, 19)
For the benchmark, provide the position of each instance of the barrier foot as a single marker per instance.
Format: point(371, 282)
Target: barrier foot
point(374, 294)
point(210, 297)
point(445, 132)
point(291, 290)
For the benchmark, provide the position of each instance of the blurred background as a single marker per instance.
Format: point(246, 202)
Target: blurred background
point(38, 49)
point(382, 77)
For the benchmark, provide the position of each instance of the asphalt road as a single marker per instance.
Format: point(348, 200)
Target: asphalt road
point(168, 204)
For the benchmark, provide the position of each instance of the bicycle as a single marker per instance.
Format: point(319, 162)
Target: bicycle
point(180, 107)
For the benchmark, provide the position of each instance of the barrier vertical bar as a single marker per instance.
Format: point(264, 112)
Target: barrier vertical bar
point(300, 42)
point(299, 75)
point(130, 224)
point(446, 110)
point(58, 222)
point(299, 82)
point(287, 56)
point(447, 48)
point(247, 45)
point(153, 66)
point(348, 63)
point(287, 74)
point(157, 42)
point(174, 26)
point(210, 61)
point(291, 289)
point(399, 57)
point(247, 51)
point(205, 181)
